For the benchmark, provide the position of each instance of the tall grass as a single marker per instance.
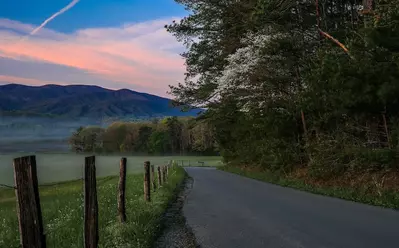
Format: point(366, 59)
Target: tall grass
point(62, 207)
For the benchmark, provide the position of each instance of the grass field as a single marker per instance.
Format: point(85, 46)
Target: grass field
point(62, 207)
point(65, 167)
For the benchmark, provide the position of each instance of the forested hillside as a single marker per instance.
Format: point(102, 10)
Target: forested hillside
point(289, 84)
point(84, 101)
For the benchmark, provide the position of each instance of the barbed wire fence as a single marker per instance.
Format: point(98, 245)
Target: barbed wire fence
point(54, 228)
point(7, 186)
point(51, 228)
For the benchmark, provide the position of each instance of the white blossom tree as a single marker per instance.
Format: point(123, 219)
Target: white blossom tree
point(256, 74)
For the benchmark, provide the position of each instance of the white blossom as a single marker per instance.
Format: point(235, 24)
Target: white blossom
point(241, 67)
point(242, 62)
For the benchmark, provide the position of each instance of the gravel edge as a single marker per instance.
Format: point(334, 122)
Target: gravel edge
point(175, 231)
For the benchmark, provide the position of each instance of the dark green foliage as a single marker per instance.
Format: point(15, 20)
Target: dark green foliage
point(145, 133)
point(170, 135)
point(256, 89)
point(158, 142)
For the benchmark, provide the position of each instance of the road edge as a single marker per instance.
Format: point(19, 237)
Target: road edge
point(173, 222)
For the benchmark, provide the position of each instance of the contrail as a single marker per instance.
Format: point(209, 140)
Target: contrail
point(70, 5)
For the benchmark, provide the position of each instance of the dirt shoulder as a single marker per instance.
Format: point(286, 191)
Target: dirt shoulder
point(176, 233)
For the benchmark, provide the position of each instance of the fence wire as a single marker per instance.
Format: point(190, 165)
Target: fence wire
point(7, 186)
point(63, 209)
point(42, 185)
point(53, 228)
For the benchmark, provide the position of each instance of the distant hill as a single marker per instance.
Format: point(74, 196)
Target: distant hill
point(77, 101)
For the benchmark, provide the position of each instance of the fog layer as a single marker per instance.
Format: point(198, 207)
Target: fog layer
point(34, 134)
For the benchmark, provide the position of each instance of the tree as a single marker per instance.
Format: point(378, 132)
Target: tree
point(171, 135)
point(75, 141)
point(144, 135)
point(211, 33)
point(87, 139)
point(158, 142)
point(114, 137)
point(281, 77)
point(174, 132)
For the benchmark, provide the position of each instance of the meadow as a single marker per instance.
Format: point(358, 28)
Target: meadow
point(61, 196)
point(53, 168)
point(62, 208)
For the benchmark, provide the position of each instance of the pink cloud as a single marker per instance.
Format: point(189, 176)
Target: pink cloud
point(135, 54)
point(30, 81)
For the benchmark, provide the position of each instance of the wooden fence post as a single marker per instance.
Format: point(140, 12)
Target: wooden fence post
point(154, 186)
point(121, 191)
point(147, 183)
point(28, 203)
point(91, 204)
point(159, 177)
point(163, 174)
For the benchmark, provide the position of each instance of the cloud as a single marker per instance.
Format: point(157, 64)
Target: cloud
point(19, 29)
point(30, 81)
point(141, 55)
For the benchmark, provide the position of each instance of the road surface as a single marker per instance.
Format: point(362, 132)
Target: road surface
point(229, 211)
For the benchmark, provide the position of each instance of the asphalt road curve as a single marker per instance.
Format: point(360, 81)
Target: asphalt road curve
point(229, 211)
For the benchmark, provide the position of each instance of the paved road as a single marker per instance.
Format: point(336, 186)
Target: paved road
point(228, 211)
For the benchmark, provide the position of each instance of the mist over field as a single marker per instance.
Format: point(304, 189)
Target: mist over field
point(34, 134)
point(41, 118)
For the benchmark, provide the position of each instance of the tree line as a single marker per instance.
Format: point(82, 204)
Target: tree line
point(288, 84)
point(170, 135)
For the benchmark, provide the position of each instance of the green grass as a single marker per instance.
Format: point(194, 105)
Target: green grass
point(205, 161)
point(386, 198)
point(62, 208)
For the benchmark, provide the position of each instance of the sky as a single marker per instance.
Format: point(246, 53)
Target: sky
point(110, 43)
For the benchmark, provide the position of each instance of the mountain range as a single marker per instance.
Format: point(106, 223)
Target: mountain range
point(76, 101)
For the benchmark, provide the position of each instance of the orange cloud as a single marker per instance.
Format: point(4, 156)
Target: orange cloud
point(141, 54)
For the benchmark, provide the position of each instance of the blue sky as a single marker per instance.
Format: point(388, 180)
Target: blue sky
point(115, 44)
point(88, 13)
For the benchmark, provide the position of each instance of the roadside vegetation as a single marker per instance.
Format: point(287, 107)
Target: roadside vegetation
point(359, 188)
point(62, 207)
point(301, 88)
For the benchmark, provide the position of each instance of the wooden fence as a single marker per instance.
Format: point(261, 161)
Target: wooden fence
point(28, 200)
